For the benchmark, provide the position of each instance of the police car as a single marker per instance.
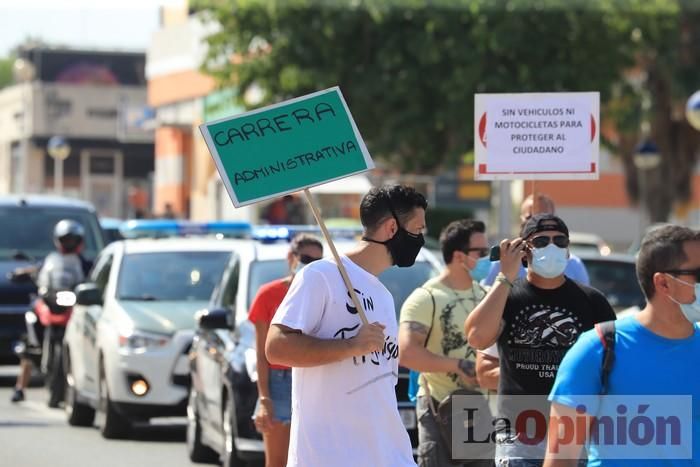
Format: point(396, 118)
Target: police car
point(222, 359)
point(127, 342)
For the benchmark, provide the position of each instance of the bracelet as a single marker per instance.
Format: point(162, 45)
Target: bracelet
point(263, 398)
point(503, 279)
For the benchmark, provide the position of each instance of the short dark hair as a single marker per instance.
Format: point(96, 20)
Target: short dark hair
point(303, 240)
point(662, 250)
point(377, 204)
point(457, 235)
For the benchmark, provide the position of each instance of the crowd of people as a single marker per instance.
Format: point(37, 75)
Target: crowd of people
point(528, 327)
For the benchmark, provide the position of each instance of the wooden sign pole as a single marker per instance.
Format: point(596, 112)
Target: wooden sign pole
point(535, 204)
point(341, 267)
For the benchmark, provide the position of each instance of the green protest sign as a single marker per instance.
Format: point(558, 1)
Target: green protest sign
point(286, 147)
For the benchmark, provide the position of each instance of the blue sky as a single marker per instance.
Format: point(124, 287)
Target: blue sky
point(113, 24)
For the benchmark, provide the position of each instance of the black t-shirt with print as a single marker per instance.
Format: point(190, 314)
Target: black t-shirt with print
point(540, 325)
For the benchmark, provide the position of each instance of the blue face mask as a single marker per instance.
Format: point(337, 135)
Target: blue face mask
point(481, 269)
point(691, 311)
point(550, 261)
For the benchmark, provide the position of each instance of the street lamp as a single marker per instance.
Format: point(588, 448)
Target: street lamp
point(59, 150)
point(692, 110)
point(646, 158)
point(23, 70)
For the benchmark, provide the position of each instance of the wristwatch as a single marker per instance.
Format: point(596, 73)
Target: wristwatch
point(503, 279)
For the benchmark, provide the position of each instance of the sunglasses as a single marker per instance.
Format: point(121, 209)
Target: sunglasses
point(306, 259)
point(562, 241)
point(686, 272)
point(482, 251)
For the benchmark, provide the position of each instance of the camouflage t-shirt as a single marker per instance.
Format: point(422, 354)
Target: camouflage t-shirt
point(447, 336)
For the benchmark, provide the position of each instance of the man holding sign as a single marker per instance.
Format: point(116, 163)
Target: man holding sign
point(344, 410)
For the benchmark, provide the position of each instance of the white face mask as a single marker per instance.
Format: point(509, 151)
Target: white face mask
point(691, 311)
point(550, 261)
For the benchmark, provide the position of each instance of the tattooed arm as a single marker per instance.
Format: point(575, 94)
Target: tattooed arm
point(414, 355)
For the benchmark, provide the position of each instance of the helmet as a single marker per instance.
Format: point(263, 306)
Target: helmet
point(68, 234)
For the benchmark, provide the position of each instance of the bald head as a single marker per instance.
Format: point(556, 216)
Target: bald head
point(541, 204)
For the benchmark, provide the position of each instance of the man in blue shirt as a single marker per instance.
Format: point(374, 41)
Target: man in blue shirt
point(575, 269)
point(654, 371)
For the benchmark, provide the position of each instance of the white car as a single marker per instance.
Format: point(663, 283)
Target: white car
point(127, 342)
point(223, 358)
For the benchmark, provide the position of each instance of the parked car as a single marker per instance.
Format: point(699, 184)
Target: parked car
point(127, 342)
point(580, 242)
point(223, 359)
point(615, 276)
point(27, 237)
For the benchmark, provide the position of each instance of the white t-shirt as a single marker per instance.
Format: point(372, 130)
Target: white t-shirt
point(344, 413)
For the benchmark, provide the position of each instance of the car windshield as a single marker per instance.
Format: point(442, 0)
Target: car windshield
point(264, 271)
point(28, 230)
point(617, 280)
point(171, 276)
point(400, 281)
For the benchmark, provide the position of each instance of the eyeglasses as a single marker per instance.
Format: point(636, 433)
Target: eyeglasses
point(685, 272)
point(306, 259)
point(562, 241)
point(482, 251)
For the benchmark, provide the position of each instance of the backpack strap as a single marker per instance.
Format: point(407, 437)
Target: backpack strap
point(606, 334)
point(431, 402)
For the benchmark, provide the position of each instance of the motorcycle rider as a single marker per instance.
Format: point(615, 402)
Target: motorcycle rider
point(61, 270)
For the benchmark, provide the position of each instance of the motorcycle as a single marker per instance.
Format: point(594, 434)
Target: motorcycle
point(46, 324)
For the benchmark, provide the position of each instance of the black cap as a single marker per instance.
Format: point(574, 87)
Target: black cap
point(541, 223)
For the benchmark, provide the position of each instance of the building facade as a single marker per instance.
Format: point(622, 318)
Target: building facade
point(95, 101)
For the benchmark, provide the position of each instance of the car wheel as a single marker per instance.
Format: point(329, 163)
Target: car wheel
point(78, 414)
point(230, 456)
point(198, 451)
point(113, 425)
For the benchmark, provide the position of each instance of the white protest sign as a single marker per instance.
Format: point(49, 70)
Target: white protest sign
point(536, 136)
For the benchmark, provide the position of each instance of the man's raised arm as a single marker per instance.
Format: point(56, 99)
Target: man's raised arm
point(484, 323)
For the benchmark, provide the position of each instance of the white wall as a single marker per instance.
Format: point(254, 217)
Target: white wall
point(15, 112)
point(178, 47)
point(88, 111)
point(620, 227)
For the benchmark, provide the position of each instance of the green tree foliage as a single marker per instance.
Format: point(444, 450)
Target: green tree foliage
point(409, 69)
point(667, 40)
point(6, 71)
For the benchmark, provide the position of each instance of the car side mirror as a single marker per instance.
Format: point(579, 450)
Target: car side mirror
point(217, 318)
point(88, 294)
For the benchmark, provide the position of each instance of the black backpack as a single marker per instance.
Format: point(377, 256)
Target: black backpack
point(606, 334)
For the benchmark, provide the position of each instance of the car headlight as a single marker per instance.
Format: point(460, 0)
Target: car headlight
point(139, 341)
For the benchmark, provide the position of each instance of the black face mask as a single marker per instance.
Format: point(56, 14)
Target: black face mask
point(403, 246)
